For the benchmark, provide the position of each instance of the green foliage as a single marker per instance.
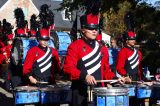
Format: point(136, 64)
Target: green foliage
point(147, 28)
point(114, 20)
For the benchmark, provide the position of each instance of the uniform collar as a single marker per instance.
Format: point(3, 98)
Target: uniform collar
point(131, 48)
point(90, 42)
point(42, 48)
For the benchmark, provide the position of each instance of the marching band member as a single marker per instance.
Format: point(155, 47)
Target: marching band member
point(129, 63)
point(87, 61)
point(41, 61)
point(5, 51)
point(113, 52)
point(129, 59)
point(5, 60)
point(22, 24)
point(33, 26)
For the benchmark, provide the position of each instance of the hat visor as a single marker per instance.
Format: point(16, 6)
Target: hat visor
point(133, 38)
point(91, 27)
point(44, 38)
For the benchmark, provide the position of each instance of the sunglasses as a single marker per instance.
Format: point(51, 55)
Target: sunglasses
point(92, 28)
point(44, 39)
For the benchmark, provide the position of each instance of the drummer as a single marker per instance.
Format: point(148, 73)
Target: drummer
point(5, 60)
point(87, 61)
point(129, 58)
point(5, 51)
point(41, 62)
point(129, 62)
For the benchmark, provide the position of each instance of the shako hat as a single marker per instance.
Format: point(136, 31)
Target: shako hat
point(10, 36)
point(44, 34)
point(130, 35)
point(89, 21)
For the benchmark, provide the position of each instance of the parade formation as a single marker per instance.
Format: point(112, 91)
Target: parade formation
point(90, 73)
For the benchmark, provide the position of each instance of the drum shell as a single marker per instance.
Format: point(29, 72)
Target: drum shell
point(55, 95)
point(111, 97)
point(144, 91)
point(26, 95)
point(131, 89)
point(21, 47)
point(62, 41)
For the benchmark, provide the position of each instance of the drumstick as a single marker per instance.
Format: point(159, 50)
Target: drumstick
point(137, 82)
point(41, 82)
point(112, 81)
point(134, 81)
point(88, 91)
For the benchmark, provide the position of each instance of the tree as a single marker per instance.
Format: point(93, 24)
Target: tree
point(114, 20)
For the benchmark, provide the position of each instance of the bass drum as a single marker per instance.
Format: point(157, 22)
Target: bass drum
point(21, 47)
point(62, 41)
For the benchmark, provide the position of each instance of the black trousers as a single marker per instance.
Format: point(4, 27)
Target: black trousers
point(80, 94)
point(16, 73)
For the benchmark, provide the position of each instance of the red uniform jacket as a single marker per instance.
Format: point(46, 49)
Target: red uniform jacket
point(1, 44)
point(79, 49)
point(36, 53)
point(5, 53)
point(128, 62)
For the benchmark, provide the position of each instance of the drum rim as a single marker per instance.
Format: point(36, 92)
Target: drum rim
point(12, 51)
point(27, 90)
point(110, 91)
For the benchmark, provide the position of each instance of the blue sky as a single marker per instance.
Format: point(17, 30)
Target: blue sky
point(152, 1)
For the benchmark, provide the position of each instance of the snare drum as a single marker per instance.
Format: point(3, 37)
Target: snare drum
point(131, 89)
point(144, 91)
point(55, 95)
point(21, 47)
point(62, 41)
point(115, 96)
point(26, 95)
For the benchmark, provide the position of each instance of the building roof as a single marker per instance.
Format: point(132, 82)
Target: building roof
point(60, 24)
point(2, 2)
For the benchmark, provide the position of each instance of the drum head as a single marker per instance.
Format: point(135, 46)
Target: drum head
point(16, 51)
point(26, 88)
point(20, 49)
point(143, 86)
point(47, 89)
point(128, 85)
point(110, 91)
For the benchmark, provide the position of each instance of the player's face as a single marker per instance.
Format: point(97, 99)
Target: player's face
point(90, 33)
point(10, 42)
point(131, 43)
point(43, 43)
point(113, 43)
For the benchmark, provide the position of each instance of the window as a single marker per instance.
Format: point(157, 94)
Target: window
point(66, 15)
